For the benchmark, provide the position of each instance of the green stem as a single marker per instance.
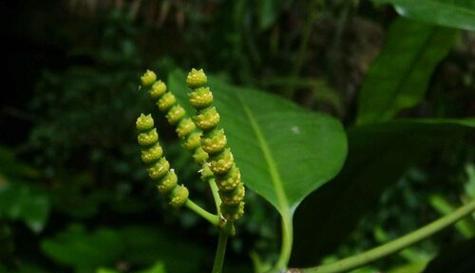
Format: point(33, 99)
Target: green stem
point(212, 218)
point(215, 192)
point(287, 239)
point(395, 245)
point(221, 250)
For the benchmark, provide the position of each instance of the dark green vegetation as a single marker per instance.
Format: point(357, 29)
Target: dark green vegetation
point(361, 113)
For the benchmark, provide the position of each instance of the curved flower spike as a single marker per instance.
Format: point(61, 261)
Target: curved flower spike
point(214, 142)
point(175, 114)
point(158, 166)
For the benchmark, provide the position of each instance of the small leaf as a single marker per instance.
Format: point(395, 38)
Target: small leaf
point(458, 13)
point(283, 151)
point(23, 202)
point(399, 77)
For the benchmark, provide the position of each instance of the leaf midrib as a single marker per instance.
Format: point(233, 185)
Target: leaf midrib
point(276, 180)
point(282, 203)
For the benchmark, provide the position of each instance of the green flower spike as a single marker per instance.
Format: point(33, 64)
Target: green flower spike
point(158, 166)
point(175, 114)
point(213, 141)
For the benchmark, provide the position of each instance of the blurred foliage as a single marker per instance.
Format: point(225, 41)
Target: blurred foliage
point(398, 78)
point(73, 195)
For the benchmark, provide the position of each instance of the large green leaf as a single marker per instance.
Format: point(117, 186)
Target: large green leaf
point(283, 151)
point(378, 156)
point(455, 13)
point(399, 76)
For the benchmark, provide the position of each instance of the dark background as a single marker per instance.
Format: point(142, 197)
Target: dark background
point(80, 199)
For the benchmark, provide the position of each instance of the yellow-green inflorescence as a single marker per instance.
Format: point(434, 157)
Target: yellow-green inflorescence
point(214, 143)
point(175, 114)
point(158, 166)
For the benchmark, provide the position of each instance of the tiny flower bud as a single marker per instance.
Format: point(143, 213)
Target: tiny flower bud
point(158, 89)
point(235, 196)
point(185, 127)
point(148, 78)
point(165, 102)
point(229, 181)
point(200, 155)
point(148, 138)
point(192, 141)
point(179, 196)
point(175, 114)
point(232, 212)
point(196, 78)
point(152, 154)
point(201, 97)
point(159, 169)
point(215, 142)
point(144, 122)
point(207, 119)
point(168, 182)
point(222, 163)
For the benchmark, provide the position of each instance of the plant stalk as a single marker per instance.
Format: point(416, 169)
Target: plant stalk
point(215, 192)
point(395, 245)
point(221, 250)
point(212, 218)
point(287, 240)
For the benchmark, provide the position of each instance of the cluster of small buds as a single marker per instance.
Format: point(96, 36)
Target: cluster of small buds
point(158, 166)
point(214, 143)
point(175, 114)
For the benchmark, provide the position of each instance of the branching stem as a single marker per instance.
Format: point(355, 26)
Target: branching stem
point(212, 218)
